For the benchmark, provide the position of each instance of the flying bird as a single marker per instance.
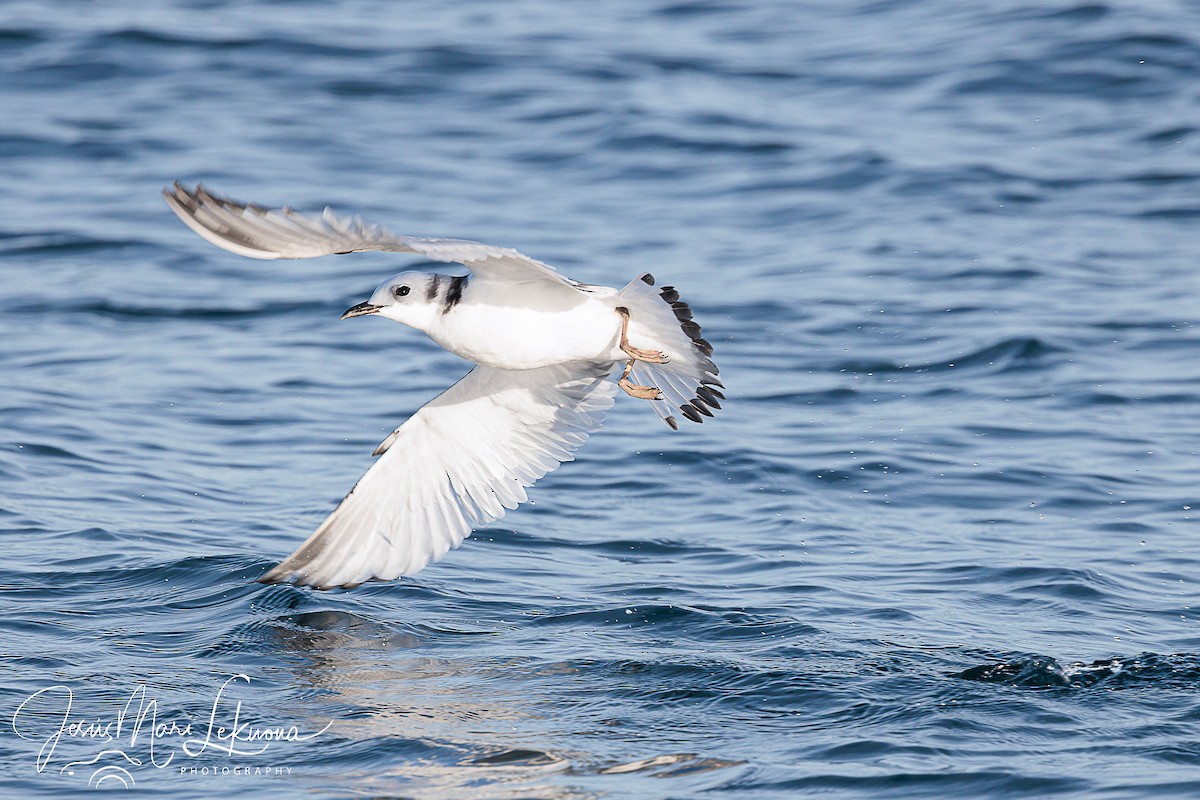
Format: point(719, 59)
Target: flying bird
point(545, 348)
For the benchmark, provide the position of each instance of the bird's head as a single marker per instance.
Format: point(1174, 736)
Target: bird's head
point(413, 298)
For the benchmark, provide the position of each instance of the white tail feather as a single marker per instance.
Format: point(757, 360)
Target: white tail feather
point(659, 320)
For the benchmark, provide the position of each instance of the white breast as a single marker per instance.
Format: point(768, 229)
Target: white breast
point(526, 326)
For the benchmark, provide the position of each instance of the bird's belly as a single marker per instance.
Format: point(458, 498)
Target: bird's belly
point(516, 338)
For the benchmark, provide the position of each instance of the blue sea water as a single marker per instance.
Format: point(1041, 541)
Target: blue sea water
point(941, 540)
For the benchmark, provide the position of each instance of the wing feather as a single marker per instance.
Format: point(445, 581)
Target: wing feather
point(459, 462)
point(252, 230)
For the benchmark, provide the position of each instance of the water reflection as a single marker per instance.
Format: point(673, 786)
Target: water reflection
point(460, 725)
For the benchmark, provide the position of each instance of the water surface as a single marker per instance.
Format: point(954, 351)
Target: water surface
point(942, 538)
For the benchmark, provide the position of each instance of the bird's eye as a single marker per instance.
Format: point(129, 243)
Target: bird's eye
point(400, 291)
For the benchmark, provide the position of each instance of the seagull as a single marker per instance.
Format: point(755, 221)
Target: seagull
point(545, 349)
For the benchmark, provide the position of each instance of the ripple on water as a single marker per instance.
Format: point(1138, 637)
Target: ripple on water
point(1148, 670)
point(938, 543)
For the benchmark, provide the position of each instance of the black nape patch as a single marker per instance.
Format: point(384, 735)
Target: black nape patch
point(435, 287)
point(454, 293)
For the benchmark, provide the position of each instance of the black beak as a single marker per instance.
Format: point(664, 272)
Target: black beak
point(360, 309)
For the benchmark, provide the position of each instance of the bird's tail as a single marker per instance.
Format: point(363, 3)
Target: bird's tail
point(659, 320)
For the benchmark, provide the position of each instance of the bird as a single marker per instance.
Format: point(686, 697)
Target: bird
point(545, 350)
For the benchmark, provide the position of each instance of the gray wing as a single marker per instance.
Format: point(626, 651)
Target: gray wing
point(252, 230)
point(458, 463)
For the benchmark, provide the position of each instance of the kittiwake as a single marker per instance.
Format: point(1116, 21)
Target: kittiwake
point(545, 349)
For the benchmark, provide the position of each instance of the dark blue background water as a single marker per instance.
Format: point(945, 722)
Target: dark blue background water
point(942, 540)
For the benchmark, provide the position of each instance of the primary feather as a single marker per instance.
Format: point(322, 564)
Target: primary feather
point(459, 462)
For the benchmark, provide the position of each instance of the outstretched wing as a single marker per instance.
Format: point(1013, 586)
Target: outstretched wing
point(456, 464)
point(252, 230)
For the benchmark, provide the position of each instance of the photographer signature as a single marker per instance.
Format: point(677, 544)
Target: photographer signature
point(48, 716)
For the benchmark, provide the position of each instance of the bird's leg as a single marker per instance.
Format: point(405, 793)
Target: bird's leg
point(635, 390)
point(637, 353)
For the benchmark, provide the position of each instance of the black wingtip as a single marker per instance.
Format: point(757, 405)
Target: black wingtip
point(648, 279)
point(674, 423)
